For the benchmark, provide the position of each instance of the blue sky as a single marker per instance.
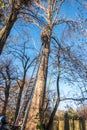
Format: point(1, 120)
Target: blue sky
point(69, 10)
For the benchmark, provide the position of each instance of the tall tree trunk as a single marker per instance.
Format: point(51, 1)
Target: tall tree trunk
point(18, 102)
point(34, 117)
point(50, 123)
point(6, 98)
point(5, 31)
point(5, 104)
point(19, 98)
point(66, 122)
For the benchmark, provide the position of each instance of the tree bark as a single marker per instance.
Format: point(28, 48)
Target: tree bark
point(66, 122)
point(50, 123)
point(4, 33)
point(34, 117)
point(18, 102)
point(6, 98)
point(19, 97)
point(5, 104)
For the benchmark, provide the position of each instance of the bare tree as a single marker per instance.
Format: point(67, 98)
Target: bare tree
point(26, 63)
point(46, 22)
point(14, 6)
point(8, 77)
point(46, 15)
point(39, 93)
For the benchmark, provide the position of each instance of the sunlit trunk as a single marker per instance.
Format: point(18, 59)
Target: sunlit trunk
point(5, 31)
point(19, 97)
point(15, 8)
point(34, 117)
point(7, 89)
point(5, 104)
point(19, 100)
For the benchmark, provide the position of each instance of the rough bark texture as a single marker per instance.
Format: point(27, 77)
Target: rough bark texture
point(66, 121)
point(34, 117)
point(4, 33)
point(19, 100)
point(50, 123)
point(6, 97)
point(15, 8)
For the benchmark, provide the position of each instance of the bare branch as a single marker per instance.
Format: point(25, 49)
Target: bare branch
point(2, 99)
point(35, 23)
point(61, 21)
point(57, 9)
point(74, 99)
point(41, 6)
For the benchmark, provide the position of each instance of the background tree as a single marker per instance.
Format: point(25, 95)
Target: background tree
point(26, 62)
point(9, 11)
point(8, 77)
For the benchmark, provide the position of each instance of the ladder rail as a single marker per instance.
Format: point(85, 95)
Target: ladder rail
point(32, 92)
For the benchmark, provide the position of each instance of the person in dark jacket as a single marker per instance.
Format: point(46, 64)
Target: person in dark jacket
point(2, 121)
